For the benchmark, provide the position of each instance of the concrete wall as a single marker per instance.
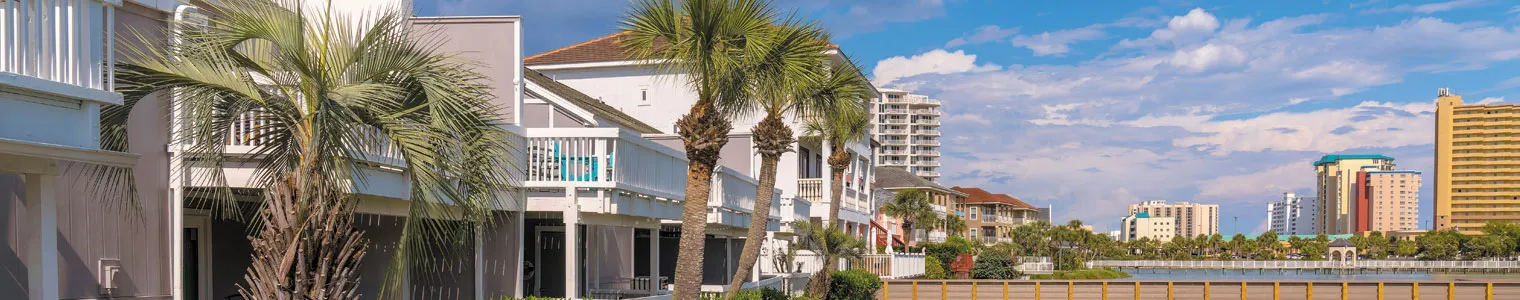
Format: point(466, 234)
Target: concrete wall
point(491, 43)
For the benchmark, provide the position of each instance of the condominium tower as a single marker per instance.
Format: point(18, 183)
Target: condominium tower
point(1335, 185)
point(1143, 225)
point(1193, 219)
point(1293, 215)
point(1387, 200)
point(907, 126)
point(1476, 163)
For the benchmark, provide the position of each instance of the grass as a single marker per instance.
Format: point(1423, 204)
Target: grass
point(1086, 274)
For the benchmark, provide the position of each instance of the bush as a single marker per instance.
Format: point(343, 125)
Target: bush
point(1070, 262)
point(947, 251)
point(1104, 273)
point(933, 269)
point(994, 267)
point(853, 284)
point(761, 294)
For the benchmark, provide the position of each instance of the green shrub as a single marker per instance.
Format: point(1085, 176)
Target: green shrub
point(933, 269)
point(947, 251)
point(1104, 273)
point(761, 294)
point(853, 285)
point(994, 267)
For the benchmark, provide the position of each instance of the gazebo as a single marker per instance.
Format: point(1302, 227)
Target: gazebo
point(1343, 251)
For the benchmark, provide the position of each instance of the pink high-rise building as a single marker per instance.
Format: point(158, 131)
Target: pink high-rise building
point(1387, 200)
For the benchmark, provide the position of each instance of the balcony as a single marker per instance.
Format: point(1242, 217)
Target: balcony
point(926, 122)
point(650, 178)
point(892, 131)
point(930, 112)
point(898, 111)
point(930, 163)
point(939, 209)
point(894, 152)
point(894, 121)
point(926, 142)
point(926, 173)
point(933, 132)
point(926, 152)
point(894, 163)
point(894, 142)
point(55, 72)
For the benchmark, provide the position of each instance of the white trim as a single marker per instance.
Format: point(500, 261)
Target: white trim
point(599, 64)
point(68, 153)
point(517, 68)
point(42, 245)
point(555, 101)
point(12, 82)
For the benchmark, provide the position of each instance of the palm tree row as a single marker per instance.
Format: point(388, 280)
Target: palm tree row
point(741, 57)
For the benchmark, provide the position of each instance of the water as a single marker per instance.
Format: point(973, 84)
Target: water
point(1230, 275)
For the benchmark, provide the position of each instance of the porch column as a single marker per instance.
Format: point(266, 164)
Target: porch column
point(654, 260)
point(827, 175)
point(572, 218)
point(42, 249)
point(871, 235)
point(728, 258)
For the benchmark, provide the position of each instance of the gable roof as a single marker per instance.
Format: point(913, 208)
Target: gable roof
point(899, 178)
point(583, 101)
point(603, 49)
point(978, 195)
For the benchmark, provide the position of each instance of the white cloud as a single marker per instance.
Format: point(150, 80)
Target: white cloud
point(937, 61)
point(1491, 100)
point(1195, 22)
point(1429, 8)
point(1507, 83)
point(1369, 124)
point(1057, 42)
point(1208, 57)
point(1284, 178)
point(982, 34)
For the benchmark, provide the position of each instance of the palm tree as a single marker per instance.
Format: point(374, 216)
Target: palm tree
point(954, 225)
point(849, 122)
point(830, 241)
point(912, 207)
point(707, 41)
point(327, 91)
point(789, 77)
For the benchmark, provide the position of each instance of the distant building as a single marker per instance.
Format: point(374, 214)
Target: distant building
point(907, 125)
point(1293, 215)
point(991, 217)
point(1115, 234)
point(1474, 181)
point(1387, 200)
point(1193, 219)
point(1142, 225)
point(1335, 178)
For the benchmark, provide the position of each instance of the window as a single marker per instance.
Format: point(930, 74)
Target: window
point(644, 95)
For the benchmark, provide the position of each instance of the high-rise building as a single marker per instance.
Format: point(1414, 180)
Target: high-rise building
point(907, 126)
point(1335, 177)
point(1387, 200)
point(1294, 215)
point(1476, 166)
point(1143, 225)
point(1193, 219)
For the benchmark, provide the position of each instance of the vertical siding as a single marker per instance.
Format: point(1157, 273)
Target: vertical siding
point(489, 42)
point(503, 242)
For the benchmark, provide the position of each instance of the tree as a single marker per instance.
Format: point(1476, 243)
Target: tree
point(1405, 248)
point(325, 89)
point(789, 77)
point(1491, 246)
point(707, 41)
point(1440, 245)
point(848, 122)
point(954, 225)
point(913, 208)
point(829, 241)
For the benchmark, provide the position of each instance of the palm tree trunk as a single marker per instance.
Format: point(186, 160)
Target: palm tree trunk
point(772, 138)
point(308, 248)
point(838, 161)
point(757, 223)
point(704, 132)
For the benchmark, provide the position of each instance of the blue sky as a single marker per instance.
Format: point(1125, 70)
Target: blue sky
point(1092, 105)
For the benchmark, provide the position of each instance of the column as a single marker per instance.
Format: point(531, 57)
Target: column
point(480, 259)
point(42, 249)
point(728, 258)
point(572, 218)
point(827, 177)
point(654, 260)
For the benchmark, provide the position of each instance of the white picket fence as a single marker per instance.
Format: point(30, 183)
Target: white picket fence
point(892, 266)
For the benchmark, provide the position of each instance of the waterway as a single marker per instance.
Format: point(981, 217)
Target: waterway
point(1230, 275)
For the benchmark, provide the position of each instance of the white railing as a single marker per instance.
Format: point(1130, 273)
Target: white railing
point(931, 163)
point(1306, 264)
point(608, 158)
point(927, 173)
point(893, 131)
point(894, 266)
point(252, 129)
point(938, 209)
point(926, 131)
point(800, 209)
point(810, 263)
point(926, 112)
point(926, 121)
point(736, 192)
point(926, 142)
point(894, 152)
point(811, 189)
point(65, 41)
point(894, 121)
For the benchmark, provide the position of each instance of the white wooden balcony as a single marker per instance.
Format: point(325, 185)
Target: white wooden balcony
point(55, 73)
point(646, 179)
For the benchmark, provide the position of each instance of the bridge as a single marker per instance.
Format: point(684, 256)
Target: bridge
point(1172, 290)
point(1379, 265)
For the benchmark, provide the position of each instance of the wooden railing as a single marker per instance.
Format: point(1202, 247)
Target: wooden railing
point(604, 157)
point(65, 41)
point(1095, 289)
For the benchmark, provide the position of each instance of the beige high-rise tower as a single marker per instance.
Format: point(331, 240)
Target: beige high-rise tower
point(907, 125)
point(1477, 169)
point(1335, 177)
point(1193, 219)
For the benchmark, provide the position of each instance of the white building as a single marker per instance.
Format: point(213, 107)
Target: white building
point(1294, 215)
point(1193, 219)
point(907, 125)
point(1143, 225)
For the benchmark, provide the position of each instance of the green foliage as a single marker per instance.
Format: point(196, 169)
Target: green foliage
point(853, 285)
point(762, 294)
point(1103, 273)
point(994, 267)
point(1441, 245)
point(946, 252)
point(1406, 248)
point(934, 270)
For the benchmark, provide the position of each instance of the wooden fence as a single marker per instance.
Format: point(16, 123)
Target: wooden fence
point(1203, 290)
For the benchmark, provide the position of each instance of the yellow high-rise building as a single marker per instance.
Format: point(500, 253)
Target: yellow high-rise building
point(1477, 163)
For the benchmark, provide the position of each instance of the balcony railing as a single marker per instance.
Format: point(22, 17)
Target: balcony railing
point(894, 121)
point(931, 163)
point(606, 158)
point(926, 142)
point(797, 209)
point(69, 42)
point(253, 129)
point(932, 112)
point(893, 131)
point(926, 132)
point(938, 209)
point(927, 173)
point(926, 121)
point(894, 111)
point(811, 190)
point(927, 152)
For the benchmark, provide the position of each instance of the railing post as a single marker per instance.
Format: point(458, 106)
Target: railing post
point(886, 290)
point(1344, 287)
point(1276, 288)
point(1169, 290)
point(1451, 291)
point(1488, 292)
point(1242, 290)
point(944, 290)
point(1105, 290)
point(1309, 290)
point(915, 290)
point(1380, 291)
point(1005, 290)
point(973, 290)
point(1414, 291)
point(1036, 290)
point(1137, 290)
point(1205, 290)
point(1070, 289)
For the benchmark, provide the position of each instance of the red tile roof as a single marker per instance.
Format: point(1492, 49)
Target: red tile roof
point(978, 195)
point(602, 49)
